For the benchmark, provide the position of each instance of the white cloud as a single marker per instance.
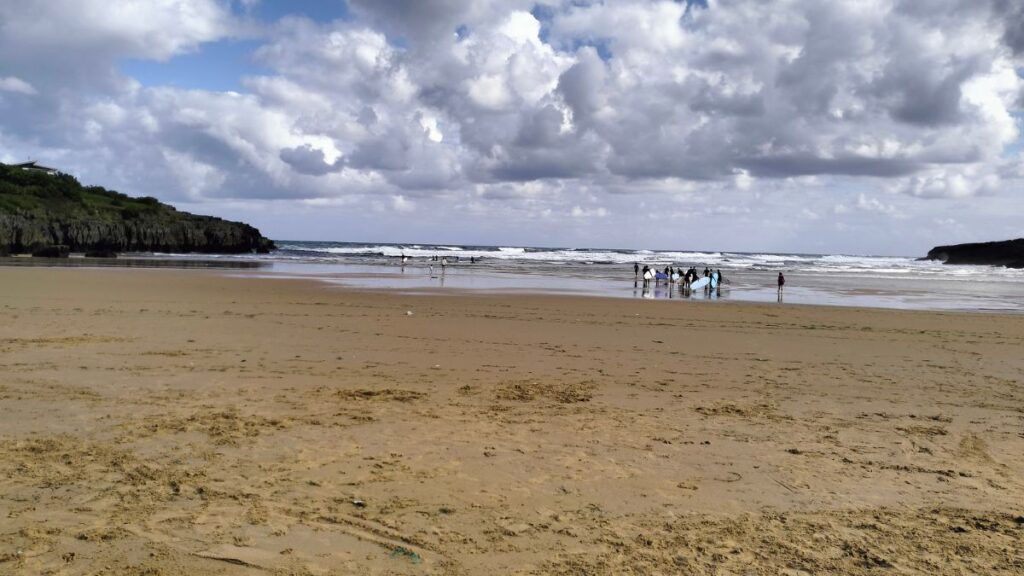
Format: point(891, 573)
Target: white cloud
point(579, 212)
point(402, 204)
point(489, 91)
point(773, 109)
point(955, 182)
point(16, 85)
point(743, 180)
point(140, 29)
point(866, 204)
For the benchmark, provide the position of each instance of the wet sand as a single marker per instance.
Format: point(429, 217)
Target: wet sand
point(182, 422)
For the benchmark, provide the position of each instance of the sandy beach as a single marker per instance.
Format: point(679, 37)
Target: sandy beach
point(172, 422)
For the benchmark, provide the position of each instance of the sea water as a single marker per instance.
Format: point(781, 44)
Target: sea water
point(825, 279)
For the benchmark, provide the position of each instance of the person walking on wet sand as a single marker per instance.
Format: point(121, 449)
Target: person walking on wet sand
point(636, 270)
point(782, 282)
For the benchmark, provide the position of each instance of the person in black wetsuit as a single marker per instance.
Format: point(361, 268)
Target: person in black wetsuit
point(782, 282)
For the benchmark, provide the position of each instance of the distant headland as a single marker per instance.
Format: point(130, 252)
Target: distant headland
point(1009, 253)
point(47, 213)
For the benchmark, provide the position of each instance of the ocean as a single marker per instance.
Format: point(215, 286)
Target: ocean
point(822, 279)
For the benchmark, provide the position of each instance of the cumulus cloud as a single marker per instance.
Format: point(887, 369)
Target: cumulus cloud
point(430, 21)
point(540, 105)
point(60, 43)
point(306, 159)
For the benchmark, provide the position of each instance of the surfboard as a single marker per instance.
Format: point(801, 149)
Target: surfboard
point(675, 276)
point(661, 276)
point(648, 275)
point(700, 283)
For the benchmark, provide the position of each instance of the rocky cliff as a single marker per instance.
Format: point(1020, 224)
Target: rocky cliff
point(38, 210)
point(1005, 253)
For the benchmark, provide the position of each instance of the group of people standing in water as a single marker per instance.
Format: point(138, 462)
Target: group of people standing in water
point(691, 275)
point(670, 274)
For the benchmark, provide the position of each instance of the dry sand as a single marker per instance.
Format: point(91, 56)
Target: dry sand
point(180, 422)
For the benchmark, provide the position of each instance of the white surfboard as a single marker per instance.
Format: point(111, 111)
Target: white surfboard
point(702, 282)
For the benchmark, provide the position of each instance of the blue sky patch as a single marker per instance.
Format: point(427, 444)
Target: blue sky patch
point(216, 66)
point(544, 15)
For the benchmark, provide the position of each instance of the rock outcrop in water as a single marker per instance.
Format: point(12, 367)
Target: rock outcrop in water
point(39, 211)
point(1008, 253)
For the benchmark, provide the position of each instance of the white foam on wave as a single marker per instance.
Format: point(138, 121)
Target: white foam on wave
point(826, 264)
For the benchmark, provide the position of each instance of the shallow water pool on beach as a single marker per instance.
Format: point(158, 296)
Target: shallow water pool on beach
point(905, 292)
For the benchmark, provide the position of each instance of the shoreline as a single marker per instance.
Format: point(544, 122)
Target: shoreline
point(197, 422)
point(246, 271)
point(892, 294)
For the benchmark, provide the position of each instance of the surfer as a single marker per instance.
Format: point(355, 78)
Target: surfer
point(636, 270)
point(782, 282)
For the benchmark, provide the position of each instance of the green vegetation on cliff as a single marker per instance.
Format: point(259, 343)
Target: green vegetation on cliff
point(38, 210)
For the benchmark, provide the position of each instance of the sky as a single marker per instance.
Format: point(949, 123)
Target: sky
point(850, 126)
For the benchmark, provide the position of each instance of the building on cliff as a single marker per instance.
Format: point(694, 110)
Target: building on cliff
point(31, 165)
